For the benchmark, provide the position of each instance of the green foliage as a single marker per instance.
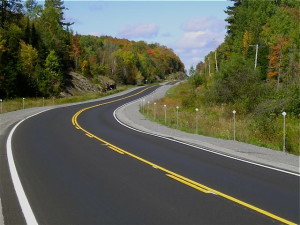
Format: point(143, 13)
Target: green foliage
point(197, 80)
point(33, 9)
point(37, 51)
point(28, 58)
point(126, 61)
point(274, 26)
point(237, 82)
point(51, 78)
point(258, 94)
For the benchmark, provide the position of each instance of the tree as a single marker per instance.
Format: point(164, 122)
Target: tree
point(275, 58)
point(192, 71)
point(28, 58)
point(76, 50)
point(85, 68)
point(50, 80)
point(11, 11)
point(32, 9)
point(247, 39)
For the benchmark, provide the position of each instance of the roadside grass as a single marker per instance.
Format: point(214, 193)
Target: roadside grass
point(217, 121)
point(17, 103)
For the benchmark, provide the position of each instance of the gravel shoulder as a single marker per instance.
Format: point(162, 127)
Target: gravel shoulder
point(129, 115)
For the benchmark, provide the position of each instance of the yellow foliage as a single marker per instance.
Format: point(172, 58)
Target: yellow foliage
point(247, 39)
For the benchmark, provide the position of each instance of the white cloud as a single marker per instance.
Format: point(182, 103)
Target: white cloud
point(204, 24)
point(196, 39)
point(200, 36)
point(139, 31)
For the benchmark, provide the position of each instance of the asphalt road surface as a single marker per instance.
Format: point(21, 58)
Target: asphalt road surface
point(78, 165)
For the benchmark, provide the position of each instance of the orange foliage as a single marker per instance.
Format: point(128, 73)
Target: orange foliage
point(76, 49)
point(275, 56)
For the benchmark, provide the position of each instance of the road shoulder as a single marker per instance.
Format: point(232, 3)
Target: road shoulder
point(129, 115)
point(10, 211)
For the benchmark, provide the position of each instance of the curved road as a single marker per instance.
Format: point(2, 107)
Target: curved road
point(78, 165)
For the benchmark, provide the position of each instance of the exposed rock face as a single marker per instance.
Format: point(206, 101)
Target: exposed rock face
point(78, 84)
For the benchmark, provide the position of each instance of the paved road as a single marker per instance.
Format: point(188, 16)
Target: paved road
point(104, 173)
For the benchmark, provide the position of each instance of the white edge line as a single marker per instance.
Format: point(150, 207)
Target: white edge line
point(22, 198)
point(201, 148)
point(23, 201)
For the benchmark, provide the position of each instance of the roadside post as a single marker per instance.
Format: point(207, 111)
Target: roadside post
point(154, 110)
point(284, 132)
point(234, 112)
point(165, 109)
point(1, 105)
point(23, 103)
point(197, 110)
point(177, 108)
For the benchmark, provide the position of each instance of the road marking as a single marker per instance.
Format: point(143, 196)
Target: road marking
point(116, 150)
point(89, 135)
point(189, 184)
point(202, 148)
point(22, 198)
point(171, 174)
point(21, 195)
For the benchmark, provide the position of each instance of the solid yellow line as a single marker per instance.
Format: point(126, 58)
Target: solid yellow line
point(116, 150)
point(188, 184)
point(169, 173)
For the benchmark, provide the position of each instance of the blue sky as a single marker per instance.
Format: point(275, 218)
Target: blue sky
point(190, 28)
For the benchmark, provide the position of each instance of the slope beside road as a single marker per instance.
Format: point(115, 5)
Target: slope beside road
point(129, 115)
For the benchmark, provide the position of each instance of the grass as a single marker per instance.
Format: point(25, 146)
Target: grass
point(217, 121)
point(17, 103)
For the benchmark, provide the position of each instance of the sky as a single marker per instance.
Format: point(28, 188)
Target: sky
point(191, 28)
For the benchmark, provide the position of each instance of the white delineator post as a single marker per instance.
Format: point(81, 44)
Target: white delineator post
point(284, 131)
point(165, 109)
point(154, 110)
point(177, 108)
point(1, 105)
point(23, 103)
point(197, 110)
point(234, 112)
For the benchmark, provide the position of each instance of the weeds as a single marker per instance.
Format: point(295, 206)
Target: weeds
point(217, 120)
point(17, 103)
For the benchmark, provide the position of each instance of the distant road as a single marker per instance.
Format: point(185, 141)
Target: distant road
point(78, 165)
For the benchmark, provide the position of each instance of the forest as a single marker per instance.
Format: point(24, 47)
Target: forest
point(38, 49)
point(254, 73)
point(268, 83)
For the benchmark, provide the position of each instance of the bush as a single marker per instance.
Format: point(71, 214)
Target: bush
point(237, 82)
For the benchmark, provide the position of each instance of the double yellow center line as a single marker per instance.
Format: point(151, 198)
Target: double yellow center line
point(170, 174)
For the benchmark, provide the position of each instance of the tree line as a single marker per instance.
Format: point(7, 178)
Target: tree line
point(38, 49)
point(256, 68)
